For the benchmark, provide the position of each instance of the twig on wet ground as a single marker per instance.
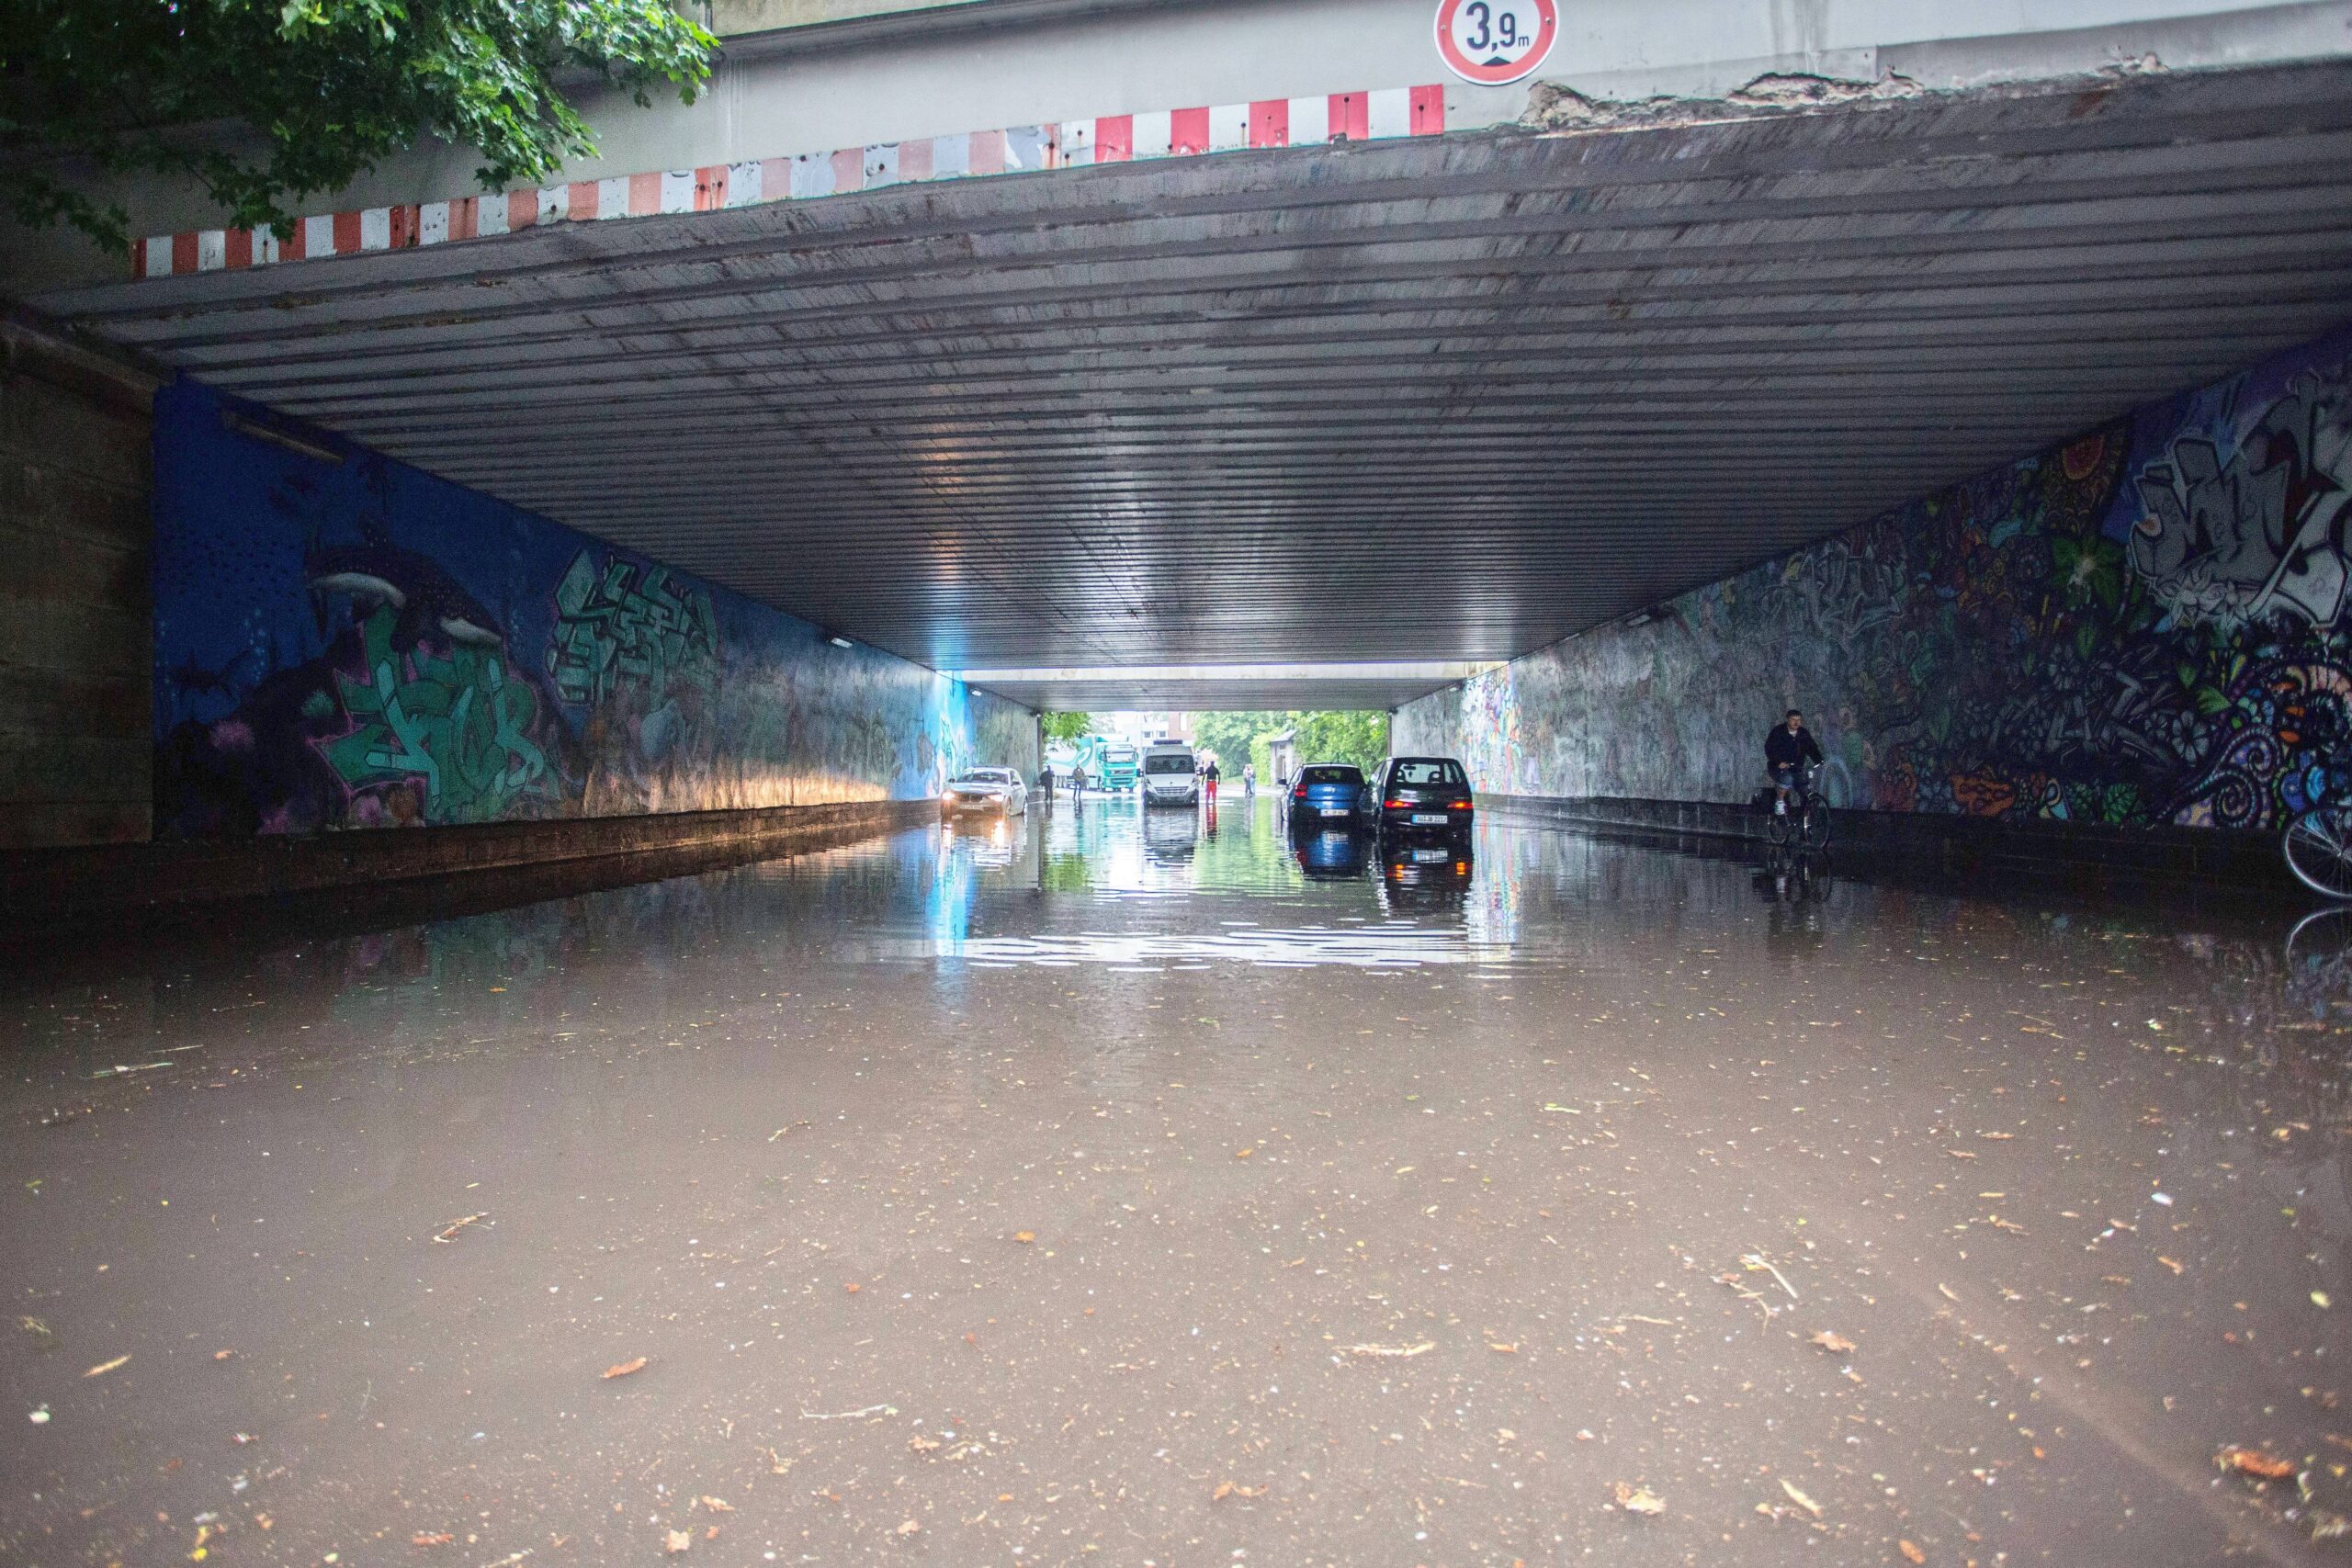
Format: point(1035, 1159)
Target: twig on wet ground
point(849, 1414)
point(1757, 1261)
point(1744, 1294)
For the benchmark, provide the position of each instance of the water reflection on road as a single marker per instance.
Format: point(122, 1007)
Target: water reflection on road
point(1323, 897)
point(1154, 1188)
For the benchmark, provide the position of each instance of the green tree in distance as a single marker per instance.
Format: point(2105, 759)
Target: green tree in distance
point(1065, 729)
point(1230, 734)
point(1320, 736)
point(321, 89)
point(1357, 738)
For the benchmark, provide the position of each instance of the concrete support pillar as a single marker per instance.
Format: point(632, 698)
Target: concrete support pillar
point(75, 470)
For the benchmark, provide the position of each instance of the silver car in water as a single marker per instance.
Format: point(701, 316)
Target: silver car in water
point(997, 791)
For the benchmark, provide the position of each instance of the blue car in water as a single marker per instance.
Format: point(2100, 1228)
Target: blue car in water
point(1325, 794)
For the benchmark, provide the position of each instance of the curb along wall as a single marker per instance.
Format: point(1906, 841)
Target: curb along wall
point(2150, 623)
point(346, 642)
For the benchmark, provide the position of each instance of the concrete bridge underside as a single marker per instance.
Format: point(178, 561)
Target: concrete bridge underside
point(1446, 399)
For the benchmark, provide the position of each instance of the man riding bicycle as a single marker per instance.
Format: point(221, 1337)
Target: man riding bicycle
point(1788, 747)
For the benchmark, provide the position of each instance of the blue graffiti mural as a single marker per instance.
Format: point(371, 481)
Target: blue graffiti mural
point(355, 644)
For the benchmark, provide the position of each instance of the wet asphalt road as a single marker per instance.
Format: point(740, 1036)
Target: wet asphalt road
point(1104, 1191)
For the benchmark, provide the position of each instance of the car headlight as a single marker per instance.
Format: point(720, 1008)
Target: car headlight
point(948, 797)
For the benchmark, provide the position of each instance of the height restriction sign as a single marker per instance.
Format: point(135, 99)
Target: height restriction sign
point(1495, 41)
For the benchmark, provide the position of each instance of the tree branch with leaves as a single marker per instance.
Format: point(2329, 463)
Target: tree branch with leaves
point(265, 102)
point(1067, 728)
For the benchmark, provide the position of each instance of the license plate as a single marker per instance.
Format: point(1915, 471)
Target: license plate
point(1429, 818)
point(1335, 811)
point(1428, 857)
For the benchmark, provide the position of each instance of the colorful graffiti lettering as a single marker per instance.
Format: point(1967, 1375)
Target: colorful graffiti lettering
point(621, 622)
point(455, 725)
point(2266, 531)
point(639, 650)
point(2147, 624)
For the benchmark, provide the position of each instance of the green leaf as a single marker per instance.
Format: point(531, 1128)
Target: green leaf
point(327, 91)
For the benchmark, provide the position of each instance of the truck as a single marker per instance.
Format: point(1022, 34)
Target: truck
point(1107, 763)
point(1121, 764)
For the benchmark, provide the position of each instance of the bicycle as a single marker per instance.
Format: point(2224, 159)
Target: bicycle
point(2318, 847)
point(1807, 827)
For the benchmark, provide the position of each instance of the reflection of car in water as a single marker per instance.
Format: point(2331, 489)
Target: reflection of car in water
point(996, 791)
point(1331, 853)
point(1422, 877)
point(1170, 774)
point(1170, 836)
point(987, 840)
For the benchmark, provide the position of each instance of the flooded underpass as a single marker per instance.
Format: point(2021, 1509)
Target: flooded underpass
point(1097, 1188)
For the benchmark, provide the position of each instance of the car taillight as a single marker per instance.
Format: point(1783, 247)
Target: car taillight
point(1395, 805)
point(1299, 793)
point(1457, 806)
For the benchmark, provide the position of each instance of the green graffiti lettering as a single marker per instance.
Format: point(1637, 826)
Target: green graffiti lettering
point(456, 727)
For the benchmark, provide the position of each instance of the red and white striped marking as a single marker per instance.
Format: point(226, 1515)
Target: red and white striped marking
point(1111, 138)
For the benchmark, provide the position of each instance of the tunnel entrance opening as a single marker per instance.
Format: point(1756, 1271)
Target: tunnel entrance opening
point(1139, 430)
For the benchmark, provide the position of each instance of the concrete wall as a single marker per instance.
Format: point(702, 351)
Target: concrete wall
point(729, 19)
point(344, 642)
point(2151, 624)
point(73, 644)
point(908, 72)
point(361, 881)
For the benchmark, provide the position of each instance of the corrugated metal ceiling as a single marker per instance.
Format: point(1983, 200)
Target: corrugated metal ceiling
point(1444, 398)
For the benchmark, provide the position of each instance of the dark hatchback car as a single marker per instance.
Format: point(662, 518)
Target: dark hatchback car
point(1418, 795)
point(1325, 794)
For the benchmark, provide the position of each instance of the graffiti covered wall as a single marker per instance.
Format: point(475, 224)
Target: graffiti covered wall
point(2150, 623)
point(355, 644)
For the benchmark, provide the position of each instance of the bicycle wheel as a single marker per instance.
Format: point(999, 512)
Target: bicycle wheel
point(2319, 946)
point(1817, 824)
point(1776, 828)
point(2319, 850)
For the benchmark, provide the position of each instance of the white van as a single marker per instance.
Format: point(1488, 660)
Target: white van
point(1170, 774)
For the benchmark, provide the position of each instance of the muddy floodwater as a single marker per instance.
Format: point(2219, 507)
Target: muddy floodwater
point(1106, 1188)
